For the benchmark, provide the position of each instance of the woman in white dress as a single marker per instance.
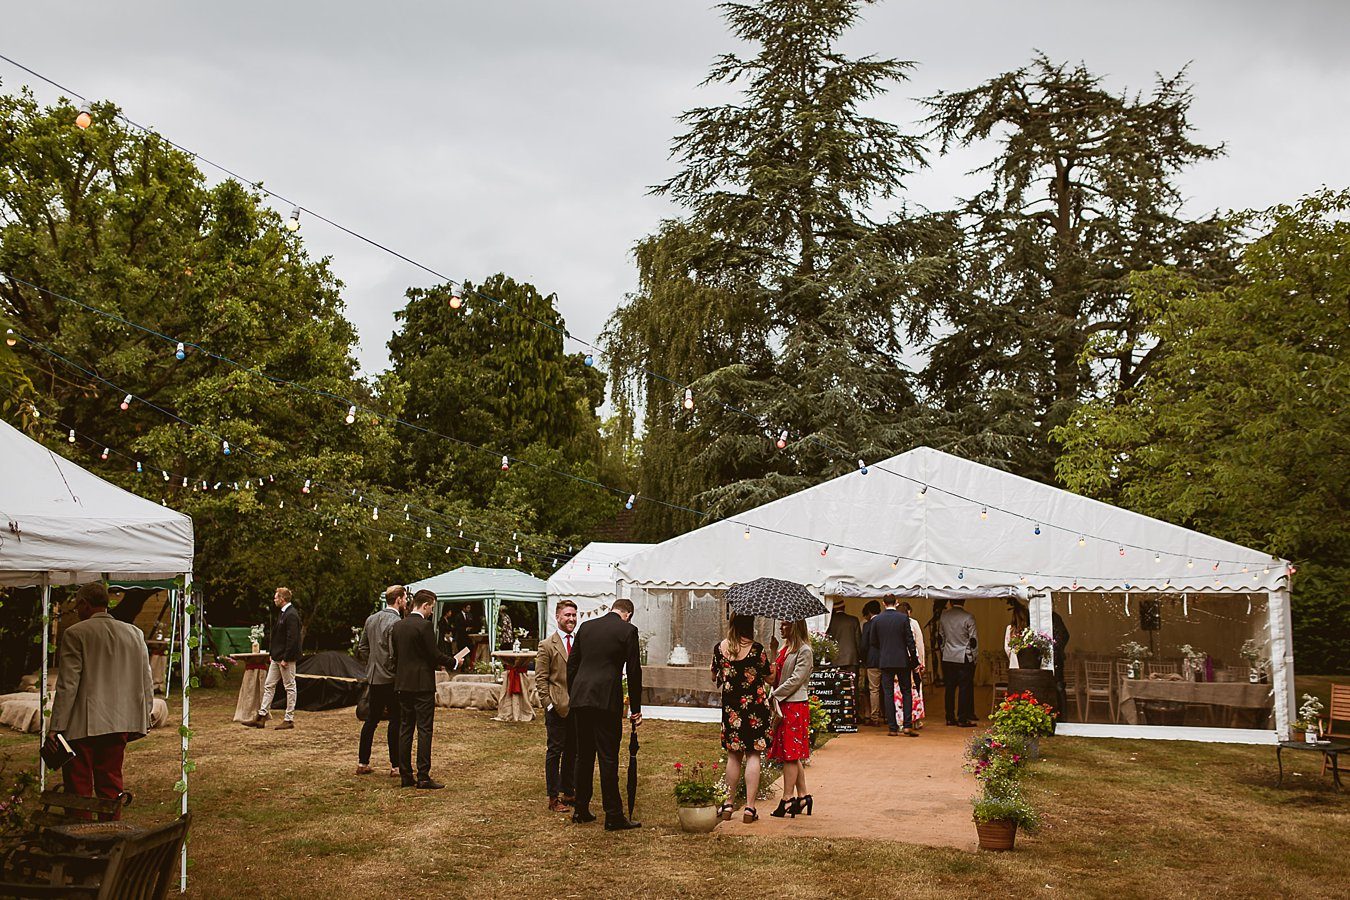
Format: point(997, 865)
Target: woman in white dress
point(1019, 623)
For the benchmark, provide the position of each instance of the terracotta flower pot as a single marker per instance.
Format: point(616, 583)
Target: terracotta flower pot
point(697, 819)
point(997, 835)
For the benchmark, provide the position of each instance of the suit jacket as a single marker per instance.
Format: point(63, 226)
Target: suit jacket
point(414, 655)
point(103, 685)
point(459, 629)
point(286, 635)
point(374, 646)
point(957, 628)
point(873, 653)
point(601, 651)
point(894, 639)
point(848, 632)
point(550, 673)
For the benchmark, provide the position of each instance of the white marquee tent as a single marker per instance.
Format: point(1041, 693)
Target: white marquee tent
point(927, 523)
point(588, 579)
point(65, 526)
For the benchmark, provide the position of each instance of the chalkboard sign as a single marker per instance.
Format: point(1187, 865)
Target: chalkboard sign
point(837, 689)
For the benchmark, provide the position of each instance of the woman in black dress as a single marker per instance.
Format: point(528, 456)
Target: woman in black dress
point(741, 667)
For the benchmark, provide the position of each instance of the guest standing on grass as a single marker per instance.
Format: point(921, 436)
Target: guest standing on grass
point(741, 668)
point(415, 660)
point(104, 695)
point(898, 657)
point(560, 727)
point(957, 629)
point(790, 743)
point(374, 648)
point(605, 649)
point(285, 652)
point(872, 689)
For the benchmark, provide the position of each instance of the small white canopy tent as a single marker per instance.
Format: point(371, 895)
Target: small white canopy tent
point(588, 579)
point(926, 521)
point(65, 525)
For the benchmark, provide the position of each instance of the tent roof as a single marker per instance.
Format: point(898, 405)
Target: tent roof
point(877, 531)
point(476, 583)
point(591, 573)
point(78, 527)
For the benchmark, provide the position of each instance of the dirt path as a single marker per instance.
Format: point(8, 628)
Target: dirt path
point(869, 785)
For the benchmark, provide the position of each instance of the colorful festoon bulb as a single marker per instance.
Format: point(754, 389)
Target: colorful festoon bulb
point(180, 352)
point(126, 402)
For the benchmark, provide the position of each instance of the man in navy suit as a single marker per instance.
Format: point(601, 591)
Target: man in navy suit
point(893, 638)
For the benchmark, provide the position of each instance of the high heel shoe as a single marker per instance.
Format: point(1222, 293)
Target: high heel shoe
point(782, 809)
point(794, 807)
point(724, 812)
point(748, 815)
point(805, 803)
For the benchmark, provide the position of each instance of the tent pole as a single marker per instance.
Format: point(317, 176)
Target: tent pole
point(187, 718)
point(42, 677)
point(1282, 660)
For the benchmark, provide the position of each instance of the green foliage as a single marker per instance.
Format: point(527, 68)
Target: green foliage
point(1240, 425)
point(699, 784)
point(1004, 802)
point(1021, 716)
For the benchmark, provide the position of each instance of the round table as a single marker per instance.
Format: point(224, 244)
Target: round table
point(515, 704)
point(251, 685)
point(1330, 751)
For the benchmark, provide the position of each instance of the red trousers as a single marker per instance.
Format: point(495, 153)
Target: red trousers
point(96, 770)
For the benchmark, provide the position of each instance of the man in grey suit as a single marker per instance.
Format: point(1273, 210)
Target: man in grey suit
point(104, 694)
point(847, 633)
point(957, 628)
point(374, 647)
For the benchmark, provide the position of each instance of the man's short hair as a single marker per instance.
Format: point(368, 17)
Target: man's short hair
point(564, 603)
point(959, 602)
point(889, 599)
point(623, 605)
point(94, 594)
point(285, 593)
point(423, 597)
point(871, 608)
point(393, 593)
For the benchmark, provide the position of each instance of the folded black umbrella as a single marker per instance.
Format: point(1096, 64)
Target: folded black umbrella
point(632, 769)
point(773, 598)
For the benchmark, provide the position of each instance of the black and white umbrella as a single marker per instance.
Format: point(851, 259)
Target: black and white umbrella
point(773, 598)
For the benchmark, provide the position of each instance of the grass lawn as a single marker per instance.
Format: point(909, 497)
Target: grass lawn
point(279, 814)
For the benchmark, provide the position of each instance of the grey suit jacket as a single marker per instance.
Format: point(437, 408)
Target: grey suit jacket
point(376, 647)
point(957, 628)
point(847, 631)
point(103, 685)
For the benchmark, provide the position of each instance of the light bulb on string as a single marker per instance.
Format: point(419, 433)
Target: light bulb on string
point(1037, 530)
point(447, 551)
point(923, 491)
point(165, 474)
point(588, 361)
point(1157, 557)
point(180, 352)
point(1022, 578)
point(632, 498)
point(746, 535)
point(184, 481)
point(83, 118)
point(475, 546)
point(33, 408)
point(391, 537)
point(825, 550)
point(104, 454)
point(10, 337)
point(126, 402)
point(375, 513)
point(862, 467)
point(225, 447)
point(688, 398)
point(305, 489)
point(71, 436)
point(961, 574)
point(456, 296)
point(138, 467)
point(984, 513)
point(293, 223)
point(1216, 566)
point(782, 440)
point(1122, 551)
point(895, 563)
point(351, 414)
point(1082, 541)
point(1190, 564)
point(428, 531)
point(506, 463)
point(1244, 571)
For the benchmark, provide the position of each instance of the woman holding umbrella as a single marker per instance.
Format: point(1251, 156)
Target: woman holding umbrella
point(791, 743)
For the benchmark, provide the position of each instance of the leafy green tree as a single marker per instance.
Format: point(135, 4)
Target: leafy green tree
point(777, 294)
point(1240, 426)
point(1081, 194)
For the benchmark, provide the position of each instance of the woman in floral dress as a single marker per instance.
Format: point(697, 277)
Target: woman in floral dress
point(741, 668)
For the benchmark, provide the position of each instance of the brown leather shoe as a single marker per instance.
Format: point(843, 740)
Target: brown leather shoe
point(284, 724)
point(911, 732)
point(256, 722)
point(394, 772)
point(558, 806)
point(362, 769)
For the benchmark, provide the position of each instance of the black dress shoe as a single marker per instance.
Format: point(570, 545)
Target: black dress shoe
point(967, 724)
point(952, 723)
point(408, 782)
point(582, 817)
point(621, 824)
point(427, 784)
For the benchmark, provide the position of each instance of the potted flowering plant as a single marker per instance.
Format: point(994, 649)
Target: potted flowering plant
point(699, 790)
point(1308, 714)
point(823, 647)
point(1136, 653)
point(1031, 646)
point(999, 809)
point(1024, 717)
point(255, 637)
point(1256, 663)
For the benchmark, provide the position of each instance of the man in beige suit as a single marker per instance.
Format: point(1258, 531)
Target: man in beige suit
point(104, 694)
point(550, 678)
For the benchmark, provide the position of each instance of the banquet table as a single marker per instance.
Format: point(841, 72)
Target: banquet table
point(516, 703)
point(251, 684)
point(159, 662)
point(1233, 696)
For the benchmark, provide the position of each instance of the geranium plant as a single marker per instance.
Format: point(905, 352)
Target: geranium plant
point(995, 758)
point(699, 784)
point(1022, 715)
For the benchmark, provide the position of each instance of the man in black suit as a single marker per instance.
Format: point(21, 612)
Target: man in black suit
point(415, 659)
point(285, 653)
point(603, 650)
point(897, 655)
point(461, 626)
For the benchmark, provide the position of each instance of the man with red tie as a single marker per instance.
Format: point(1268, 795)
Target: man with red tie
point(550, 677)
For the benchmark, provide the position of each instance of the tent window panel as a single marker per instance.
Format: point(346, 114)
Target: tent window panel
point(1193, 660)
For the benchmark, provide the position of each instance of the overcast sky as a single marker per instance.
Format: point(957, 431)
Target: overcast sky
point(521, 135)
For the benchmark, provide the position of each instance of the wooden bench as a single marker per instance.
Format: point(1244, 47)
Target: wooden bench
point(140, 867)
point(1336, 723)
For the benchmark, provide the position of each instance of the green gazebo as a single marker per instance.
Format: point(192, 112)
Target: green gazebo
point(492, 588)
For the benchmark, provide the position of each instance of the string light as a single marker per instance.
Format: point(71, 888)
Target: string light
point(428, 531)
point(1037, 529)
point(305, 489)
point(165, 474)
point(126, 402)
point(825, 550)
point(83, 118)
point(588, 361)
point(1082, 541)
point(10, 337)
point(457, 296)
point(351, 414)
point(71, 437)
point(293, 223)
point(895, 563)
point(104, 454)
point(180, 352)
point(984, 513)
point(475, 546)
point(1122, 550)
point(225, 447)
point(923, 491)
point(1157, 557)
point(375, 513)
point(782, 440)
point(1190, 564)
point(747, 533)
point(960, 574)
point(506, 463)
point(138, 467)
point(862, 467)
point(632, 498)
point(688, 398)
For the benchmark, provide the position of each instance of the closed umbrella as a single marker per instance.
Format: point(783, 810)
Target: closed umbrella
point(632, 770)
point(773, 598)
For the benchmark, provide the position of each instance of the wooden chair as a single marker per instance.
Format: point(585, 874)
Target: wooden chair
point(1161, 668)
point(138, 868)
point(1098, 687)
point(998, 665)
point(1338, 712)
point(61, 808)
point(1072, 685)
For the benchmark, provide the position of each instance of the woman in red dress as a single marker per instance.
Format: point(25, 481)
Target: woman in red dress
point(791, 742)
